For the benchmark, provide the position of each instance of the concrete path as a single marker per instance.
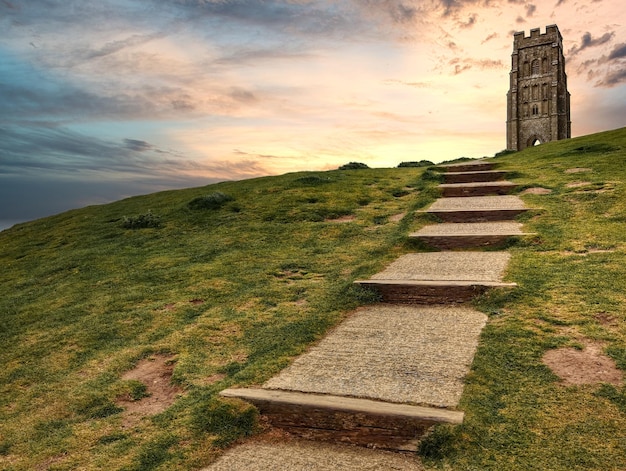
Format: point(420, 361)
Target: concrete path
point(302, 455)
point(402, 354)
point(390, 371)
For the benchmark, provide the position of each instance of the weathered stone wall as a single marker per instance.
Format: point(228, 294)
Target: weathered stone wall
point(538, 103)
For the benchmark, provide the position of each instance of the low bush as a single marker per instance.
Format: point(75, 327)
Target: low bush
point(311, 180)
point(141, 221)
point(421, 163)
point(213, 201)
point(353, 166)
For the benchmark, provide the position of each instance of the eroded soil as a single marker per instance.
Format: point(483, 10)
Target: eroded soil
point(587, 366)
point(156, 373)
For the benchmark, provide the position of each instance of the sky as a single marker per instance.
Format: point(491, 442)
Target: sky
point(100, 100)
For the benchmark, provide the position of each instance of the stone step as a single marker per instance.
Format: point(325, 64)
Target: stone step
point(449, 190)
point(381, 378)
point(428, 292)
point(440, 277)
point(449, 236)
point(477, 208)
point(283, 453)
point(473, 177)
point(471, 166)
point(343, 419)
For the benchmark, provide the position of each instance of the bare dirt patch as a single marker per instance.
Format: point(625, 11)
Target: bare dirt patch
point(577, 184)
point(578, 170)
point(606, 319)
point(536, 191)
point(348, 218)
point(586, 366)
point(156, 373)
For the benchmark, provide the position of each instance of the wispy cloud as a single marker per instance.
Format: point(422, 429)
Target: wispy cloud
point(156, 90)
point(618, 52)
point(588, 41)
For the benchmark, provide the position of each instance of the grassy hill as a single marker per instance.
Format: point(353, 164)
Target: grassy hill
point(225, 284)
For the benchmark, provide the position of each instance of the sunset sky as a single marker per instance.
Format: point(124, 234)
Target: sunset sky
point(104, 99)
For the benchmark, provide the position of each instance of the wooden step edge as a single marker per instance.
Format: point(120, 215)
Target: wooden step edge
point(477, 172)
point(362, 422)
point(487, 210)
point(490, 184)
point(437, 283)
point(467, 166)
point(346, 404)
point(475, 215)
point(465, 241)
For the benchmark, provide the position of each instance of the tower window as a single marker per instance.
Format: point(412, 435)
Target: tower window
point(535, 110)
point(536, 67)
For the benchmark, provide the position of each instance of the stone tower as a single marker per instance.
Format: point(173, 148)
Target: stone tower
point(538, 103)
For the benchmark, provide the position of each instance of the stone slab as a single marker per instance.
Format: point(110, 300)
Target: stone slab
point(303, 455)
point(447, 266)
point(508, 228)
point(478, 203)
point(395, 353)
point(469, 166)
point(452, 190)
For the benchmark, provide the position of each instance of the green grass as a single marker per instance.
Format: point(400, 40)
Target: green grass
point(233, 279)
point(571, 276)
point(237, 283)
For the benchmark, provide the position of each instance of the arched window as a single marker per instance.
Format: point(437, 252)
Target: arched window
point(535, 110)
point(535, 92)
point(535, 66)
point(526, 69)
point(544, 65)
point(544, 91)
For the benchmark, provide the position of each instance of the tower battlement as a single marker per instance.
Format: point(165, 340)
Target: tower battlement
point(538, 103)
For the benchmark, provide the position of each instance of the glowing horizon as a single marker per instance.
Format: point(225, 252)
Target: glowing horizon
point(142, 94)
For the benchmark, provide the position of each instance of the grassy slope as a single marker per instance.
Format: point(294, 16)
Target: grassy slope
point(82, 299)
point(571, 291)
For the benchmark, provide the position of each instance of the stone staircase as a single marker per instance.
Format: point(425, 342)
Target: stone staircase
point(389, 372)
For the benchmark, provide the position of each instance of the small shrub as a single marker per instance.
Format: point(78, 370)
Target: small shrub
point(312, 180)
point(141, 221)
point(353, 166)
point(399, 193)
point(421, 163)
point(213, 201)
